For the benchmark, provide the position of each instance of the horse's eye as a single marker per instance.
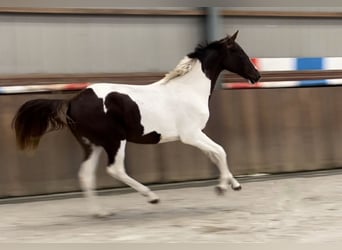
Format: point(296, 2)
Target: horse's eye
point(233, 48)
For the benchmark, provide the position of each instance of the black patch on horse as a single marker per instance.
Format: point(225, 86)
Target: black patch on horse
point(122, 121)
point(123, 109)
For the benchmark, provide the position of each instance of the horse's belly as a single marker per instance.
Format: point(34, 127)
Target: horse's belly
point(171, 121)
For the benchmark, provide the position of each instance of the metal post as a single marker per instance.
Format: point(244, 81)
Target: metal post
point(212, 29)
point(212, 23)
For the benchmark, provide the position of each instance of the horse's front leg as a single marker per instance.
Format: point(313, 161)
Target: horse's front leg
point(116, 169)
point(217, 155)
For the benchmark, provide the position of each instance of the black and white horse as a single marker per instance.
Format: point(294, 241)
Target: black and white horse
point(106, 116)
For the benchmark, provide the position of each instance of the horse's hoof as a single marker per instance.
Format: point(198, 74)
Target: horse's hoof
point(237, 188)
point(220, 191)
point(103, 215)
point(154, 201)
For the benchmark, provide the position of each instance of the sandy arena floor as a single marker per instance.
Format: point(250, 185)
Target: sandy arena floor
point(307, 208)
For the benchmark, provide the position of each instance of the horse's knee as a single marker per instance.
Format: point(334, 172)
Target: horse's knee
point(221, 152)
point(116, 172)
point(217, 155)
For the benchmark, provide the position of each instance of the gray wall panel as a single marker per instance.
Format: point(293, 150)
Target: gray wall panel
point(85, 44)
point(288, 37)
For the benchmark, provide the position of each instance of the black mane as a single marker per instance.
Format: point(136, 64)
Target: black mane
point(201, 48)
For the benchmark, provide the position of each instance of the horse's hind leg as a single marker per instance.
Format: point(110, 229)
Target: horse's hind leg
point(117, 170)
point(87, 177)
point(217, 155)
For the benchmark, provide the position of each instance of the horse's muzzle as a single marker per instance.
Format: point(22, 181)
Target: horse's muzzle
point(255, 78)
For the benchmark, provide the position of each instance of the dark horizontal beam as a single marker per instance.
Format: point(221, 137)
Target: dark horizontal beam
point(137, 78)
point(169, 12)
point(282, 14)
point(149, 77)
point(106, 11)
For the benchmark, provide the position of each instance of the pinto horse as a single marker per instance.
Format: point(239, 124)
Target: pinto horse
point(106, 116)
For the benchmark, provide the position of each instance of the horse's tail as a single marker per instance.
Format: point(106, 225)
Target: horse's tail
point(36, 117)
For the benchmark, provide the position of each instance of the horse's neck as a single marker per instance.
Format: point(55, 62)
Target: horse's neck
point(195, 82)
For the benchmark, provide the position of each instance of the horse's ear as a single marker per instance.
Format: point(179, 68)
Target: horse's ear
point(233, 38)
point(229, 40)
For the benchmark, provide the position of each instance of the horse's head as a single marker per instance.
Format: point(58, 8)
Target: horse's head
point(225, 54)
point(236, 60)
